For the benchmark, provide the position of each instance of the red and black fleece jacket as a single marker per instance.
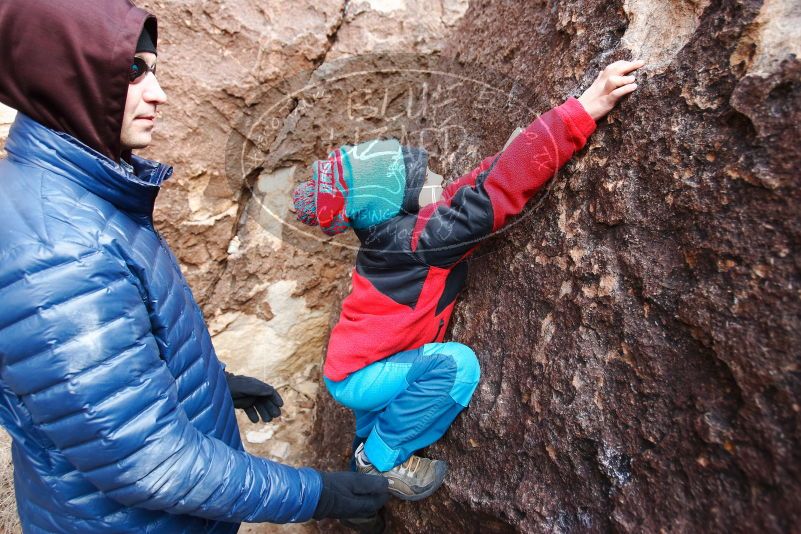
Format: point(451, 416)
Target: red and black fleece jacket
point(410, 268)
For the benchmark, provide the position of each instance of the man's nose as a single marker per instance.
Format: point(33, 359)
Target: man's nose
point(153, 93)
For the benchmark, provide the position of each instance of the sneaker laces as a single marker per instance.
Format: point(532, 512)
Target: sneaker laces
point(361, 458)
point(411, 465)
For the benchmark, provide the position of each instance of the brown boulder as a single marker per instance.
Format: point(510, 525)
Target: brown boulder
point(638, 328)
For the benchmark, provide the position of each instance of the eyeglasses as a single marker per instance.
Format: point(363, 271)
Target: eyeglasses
point(139, 69)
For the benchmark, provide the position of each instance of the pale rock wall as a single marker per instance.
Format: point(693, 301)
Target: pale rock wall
point(268, 297)
point(658, 43)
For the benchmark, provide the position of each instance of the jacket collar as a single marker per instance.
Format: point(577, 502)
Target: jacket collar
point(31, 142)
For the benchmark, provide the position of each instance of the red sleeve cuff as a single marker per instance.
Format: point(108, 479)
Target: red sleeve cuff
point(573, 113)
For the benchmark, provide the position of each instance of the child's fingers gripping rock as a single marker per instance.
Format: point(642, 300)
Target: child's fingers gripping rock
point(623, 67)
point(612, 83)
point(616, 81)
point(621, 91)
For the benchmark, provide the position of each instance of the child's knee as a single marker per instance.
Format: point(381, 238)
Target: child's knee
point(468, 371)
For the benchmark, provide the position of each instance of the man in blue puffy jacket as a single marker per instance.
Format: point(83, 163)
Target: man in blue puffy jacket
point(121, 415)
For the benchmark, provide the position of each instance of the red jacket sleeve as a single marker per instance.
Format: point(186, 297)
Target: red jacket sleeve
point(534, 157)
point(481, 201)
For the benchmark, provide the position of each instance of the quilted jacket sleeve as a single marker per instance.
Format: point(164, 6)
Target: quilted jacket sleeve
point(76, 347)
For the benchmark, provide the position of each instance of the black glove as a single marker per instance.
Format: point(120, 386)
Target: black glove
point(348, 495)
point(255, 397)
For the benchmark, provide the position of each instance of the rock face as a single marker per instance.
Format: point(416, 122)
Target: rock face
point(638, 328)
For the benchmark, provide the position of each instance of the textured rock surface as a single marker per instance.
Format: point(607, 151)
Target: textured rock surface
point(639, 327)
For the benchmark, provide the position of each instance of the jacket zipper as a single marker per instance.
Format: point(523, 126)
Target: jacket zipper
point(441, 324)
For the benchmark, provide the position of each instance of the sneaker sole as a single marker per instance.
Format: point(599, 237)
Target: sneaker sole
point(441, 472)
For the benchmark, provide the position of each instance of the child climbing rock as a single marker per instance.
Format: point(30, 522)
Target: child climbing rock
point(386, 357)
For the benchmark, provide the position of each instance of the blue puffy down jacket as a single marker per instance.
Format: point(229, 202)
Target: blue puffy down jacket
point(118, 407)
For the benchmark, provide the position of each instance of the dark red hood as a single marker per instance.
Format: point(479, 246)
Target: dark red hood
point(64, 63)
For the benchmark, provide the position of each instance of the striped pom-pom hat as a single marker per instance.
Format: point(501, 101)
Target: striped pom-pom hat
point(303, 198)
point(361, 186)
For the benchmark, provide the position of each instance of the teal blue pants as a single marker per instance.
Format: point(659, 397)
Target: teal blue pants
point(407, 401)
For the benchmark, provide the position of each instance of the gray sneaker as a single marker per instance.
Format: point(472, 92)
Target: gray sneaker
point(414, 479)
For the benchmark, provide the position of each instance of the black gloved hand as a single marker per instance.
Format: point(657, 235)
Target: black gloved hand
point(255, 397)
point(348, 495)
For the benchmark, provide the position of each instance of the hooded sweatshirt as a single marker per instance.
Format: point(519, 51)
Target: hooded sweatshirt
point(118, 408)
point(65, 64)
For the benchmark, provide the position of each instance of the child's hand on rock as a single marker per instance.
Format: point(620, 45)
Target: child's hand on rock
point(612, 83)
